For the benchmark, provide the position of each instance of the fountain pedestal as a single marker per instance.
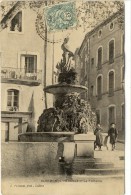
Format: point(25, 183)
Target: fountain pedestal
point(84, 145)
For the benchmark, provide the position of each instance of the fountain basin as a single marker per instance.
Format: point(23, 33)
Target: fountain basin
point(45, 136)
point(65, 89)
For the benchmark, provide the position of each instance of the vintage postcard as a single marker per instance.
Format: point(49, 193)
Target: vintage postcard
point(63, 97)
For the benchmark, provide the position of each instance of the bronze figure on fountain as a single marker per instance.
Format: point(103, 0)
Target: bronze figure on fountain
point(67, 73)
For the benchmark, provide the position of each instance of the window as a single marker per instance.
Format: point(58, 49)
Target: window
point(99, 58)
point(30, 64)
point(123, 116)
point(12, 99)
point(16, 23)
point(111, 114)
point(99, 87)
point(111, 26)
point(111, 51)
point(111, 83)
point(92, 61)
point(99, 33)
point(98, 116)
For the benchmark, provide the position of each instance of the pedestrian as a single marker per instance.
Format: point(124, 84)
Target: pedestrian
point(113, 133)
point(99, 138)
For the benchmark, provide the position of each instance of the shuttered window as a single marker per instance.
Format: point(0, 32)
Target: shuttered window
point(12, 99)
point(111, 51)
point(111, 83)
point(100, 58)
point(99, 87)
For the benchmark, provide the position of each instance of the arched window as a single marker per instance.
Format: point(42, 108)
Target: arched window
point(99, 87)
point(111, 51)
point(111, 112)
point(12, 100)
point(99, 65)
point(111, 83)
point(16, 22)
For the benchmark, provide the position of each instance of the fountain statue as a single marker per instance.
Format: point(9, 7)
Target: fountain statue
point(71, 113)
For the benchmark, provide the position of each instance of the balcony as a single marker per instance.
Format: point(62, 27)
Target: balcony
point(20, 76)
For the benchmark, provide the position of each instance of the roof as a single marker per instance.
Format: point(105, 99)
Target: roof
point(113, 16)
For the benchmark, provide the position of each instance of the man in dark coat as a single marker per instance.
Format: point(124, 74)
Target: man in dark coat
point(113, 133)
point(99, 137)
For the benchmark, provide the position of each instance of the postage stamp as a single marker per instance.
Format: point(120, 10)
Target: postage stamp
point(61, 16)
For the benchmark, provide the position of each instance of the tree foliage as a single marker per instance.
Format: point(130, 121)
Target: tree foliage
point(89, 13)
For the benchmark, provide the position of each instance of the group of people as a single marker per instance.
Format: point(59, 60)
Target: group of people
point(112, 136)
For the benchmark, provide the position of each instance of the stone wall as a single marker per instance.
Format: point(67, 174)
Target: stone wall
point(24, 159)
point(28, 159)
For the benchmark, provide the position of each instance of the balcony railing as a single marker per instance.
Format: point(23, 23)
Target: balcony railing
point(20, 74)
point(12, 108)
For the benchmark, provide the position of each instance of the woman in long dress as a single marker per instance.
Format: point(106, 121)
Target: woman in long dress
point(99, 138)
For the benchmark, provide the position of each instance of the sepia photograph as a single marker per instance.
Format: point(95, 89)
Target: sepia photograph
point(62, 97)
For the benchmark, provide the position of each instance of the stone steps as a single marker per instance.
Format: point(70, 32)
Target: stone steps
point(98, 166)
point(102, 165)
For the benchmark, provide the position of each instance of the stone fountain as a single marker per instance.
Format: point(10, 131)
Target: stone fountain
point(71, 120)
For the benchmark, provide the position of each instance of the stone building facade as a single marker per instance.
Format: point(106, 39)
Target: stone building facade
point(22, 72)
point(101, 57)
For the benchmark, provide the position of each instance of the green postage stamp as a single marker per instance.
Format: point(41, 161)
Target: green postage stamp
point(61, 16)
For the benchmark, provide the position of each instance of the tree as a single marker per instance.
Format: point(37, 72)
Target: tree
point(89, 13)
point(92, 13)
